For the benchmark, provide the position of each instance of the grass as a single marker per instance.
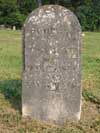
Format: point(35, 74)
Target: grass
point(10, 88)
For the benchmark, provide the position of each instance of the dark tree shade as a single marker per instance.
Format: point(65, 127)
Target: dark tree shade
point(14, 12)
point(53, 1)
point(39, 2)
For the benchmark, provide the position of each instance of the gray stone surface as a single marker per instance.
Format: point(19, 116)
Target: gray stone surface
point(51, 86)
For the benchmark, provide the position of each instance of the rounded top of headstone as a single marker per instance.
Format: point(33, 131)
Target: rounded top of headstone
point(50, 14)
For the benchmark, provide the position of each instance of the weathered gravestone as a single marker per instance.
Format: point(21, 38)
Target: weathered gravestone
point(52, 70)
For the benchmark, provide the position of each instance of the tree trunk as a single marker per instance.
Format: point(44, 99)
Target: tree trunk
point(39, 2)
point(54, 1)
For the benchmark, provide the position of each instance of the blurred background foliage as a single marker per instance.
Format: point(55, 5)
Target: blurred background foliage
point(14, 12)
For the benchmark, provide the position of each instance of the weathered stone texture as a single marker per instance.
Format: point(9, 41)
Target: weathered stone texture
point(52, 68)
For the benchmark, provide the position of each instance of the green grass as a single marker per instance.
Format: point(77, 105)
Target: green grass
point(10, 55)
point(91, 67)
point(10, 88)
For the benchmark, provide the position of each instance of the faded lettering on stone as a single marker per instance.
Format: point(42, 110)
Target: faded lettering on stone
point(48, 30)
point(51, 85)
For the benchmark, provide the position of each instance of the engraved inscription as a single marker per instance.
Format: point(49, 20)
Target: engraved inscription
point(51, 85)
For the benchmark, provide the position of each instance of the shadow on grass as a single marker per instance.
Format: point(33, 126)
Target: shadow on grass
point(12, 92)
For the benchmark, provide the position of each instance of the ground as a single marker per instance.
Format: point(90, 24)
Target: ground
point(10, 88)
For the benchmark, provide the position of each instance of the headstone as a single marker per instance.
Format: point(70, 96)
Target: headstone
point(2, 27)
point(51, 85)
point(14, 28)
